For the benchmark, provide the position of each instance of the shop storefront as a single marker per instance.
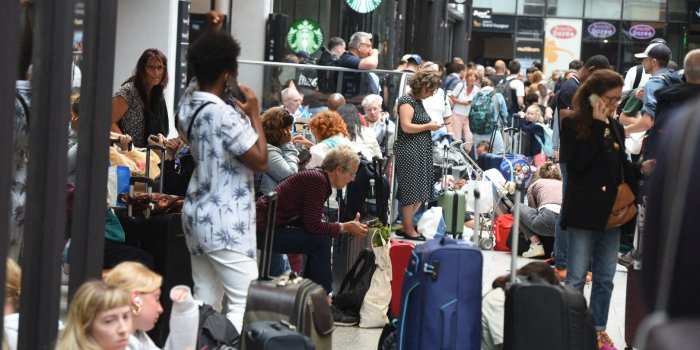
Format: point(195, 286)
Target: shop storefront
point(571, 29)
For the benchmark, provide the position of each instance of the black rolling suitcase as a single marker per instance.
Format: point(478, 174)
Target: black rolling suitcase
point(542, 316)
point(289, 298)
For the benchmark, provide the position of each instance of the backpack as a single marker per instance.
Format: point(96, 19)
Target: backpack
point(547, 145)
point(216, 332)
point(327, 80)
point(508, 93)
point(481, 120)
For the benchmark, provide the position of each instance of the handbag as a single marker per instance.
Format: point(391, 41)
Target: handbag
point(624, 208)
point(373, 312)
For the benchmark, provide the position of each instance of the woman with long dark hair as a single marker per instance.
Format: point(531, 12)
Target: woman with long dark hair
point(595, 149)
point(138, 107)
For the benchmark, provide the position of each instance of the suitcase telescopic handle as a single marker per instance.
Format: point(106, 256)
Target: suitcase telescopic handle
point(270, 215)
point(514, 232)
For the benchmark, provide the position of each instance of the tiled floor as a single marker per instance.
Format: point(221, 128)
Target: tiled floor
point(497, 264)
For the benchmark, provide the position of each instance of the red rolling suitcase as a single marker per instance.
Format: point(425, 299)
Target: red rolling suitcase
point(400, 254)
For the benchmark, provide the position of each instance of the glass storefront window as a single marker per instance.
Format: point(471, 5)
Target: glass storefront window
point(529, 28)
point(603, 9)
point(601, 38)
point(644, 10)
point(496, 6)
point(634, 38)
point(564, 8)
point(531, 7)
point(677, 11)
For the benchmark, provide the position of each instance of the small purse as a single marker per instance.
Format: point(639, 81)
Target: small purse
point(624, 208)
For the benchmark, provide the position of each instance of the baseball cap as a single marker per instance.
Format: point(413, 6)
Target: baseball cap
point(416, 58)
point(302, 54)
point(405, 58)
point(656, 50)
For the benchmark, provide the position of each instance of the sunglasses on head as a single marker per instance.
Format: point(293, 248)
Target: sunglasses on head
point(287, 119)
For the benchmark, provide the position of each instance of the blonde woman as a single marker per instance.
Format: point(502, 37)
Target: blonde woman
point(99, 318)
point(143, 287)
point(13, 282)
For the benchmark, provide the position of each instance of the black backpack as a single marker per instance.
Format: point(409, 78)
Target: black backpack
point(508, 93)
point(216, 332)
point(356, 284)
point(327, 80)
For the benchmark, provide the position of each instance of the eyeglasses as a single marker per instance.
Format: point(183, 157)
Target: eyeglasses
point(365, 44)
point(611, 100)
point(156, 68)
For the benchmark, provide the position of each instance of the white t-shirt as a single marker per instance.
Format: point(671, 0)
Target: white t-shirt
point(517, 85)
point(438, 108)
point(631, 75)
point(460, 92)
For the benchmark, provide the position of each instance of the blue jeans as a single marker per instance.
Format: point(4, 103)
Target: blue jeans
point(561, 237)
point(598, 250)
point(279, 264)
point(292, 240)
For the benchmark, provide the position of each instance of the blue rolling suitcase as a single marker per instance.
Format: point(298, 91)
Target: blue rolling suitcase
point(441, 303)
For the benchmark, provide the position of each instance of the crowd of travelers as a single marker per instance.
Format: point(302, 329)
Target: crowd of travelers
point(575, 128)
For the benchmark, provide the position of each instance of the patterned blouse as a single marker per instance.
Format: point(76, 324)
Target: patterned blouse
point(20, 147)
point(219, 210)
point(134, 120)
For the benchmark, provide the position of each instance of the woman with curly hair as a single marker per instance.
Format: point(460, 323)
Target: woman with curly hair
point(138, 107)
point(329, 129)
point(539, 217)
point(282, 156)
point(413, 149)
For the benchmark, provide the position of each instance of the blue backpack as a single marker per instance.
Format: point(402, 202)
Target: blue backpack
point(546, 144)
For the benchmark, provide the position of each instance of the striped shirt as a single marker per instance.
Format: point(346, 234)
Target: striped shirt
point(302, 194)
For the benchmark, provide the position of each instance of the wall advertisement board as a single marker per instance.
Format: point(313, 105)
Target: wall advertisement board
point(562, 43)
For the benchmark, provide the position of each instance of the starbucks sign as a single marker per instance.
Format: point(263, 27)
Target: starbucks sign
point(305, 35)
point(363, 6)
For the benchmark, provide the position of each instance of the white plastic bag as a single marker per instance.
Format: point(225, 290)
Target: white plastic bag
point(376, 304)
point(633, 143)
point(430, 222)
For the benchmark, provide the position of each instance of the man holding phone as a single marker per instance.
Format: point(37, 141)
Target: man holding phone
point(360, 55)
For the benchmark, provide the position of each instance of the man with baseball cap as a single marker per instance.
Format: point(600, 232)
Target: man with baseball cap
point(636, 76)
point(655, 59)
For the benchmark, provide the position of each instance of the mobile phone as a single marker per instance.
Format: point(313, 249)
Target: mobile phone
point(443, 124)
point(154, 138)
point(371, 222)
point(233, 90)
point(593, 98)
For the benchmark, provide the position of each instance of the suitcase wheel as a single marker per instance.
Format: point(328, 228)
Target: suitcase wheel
point(486, 243)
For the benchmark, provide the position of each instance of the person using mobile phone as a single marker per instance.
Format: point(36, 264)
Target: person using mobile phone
point(598, 169)
point(227, 147)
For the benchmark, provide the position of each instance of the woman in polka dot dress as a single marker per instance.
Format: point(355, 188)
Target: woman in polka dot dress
point(413, 150)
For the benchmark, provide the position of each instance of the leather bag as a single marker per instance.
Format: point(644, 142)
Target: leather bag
point(624, 208)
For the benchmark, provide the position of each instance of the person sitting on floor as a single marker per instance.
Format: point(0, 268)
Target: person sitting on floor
point(299, 225)
point(539, 217)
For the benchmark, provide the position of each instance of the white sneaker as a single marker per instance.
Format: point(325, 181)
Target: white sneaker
point(536, 250)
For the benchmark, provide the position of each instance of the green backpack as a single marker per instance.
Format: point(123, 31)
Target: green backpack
point(481, 115)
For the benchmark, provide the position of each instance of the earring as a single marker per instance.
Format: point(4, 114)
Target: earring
point(136, 308)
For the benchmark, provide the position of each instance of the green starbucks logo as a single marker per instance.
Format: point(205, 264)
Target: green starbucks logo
point(305, 35)
point(363, 6)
